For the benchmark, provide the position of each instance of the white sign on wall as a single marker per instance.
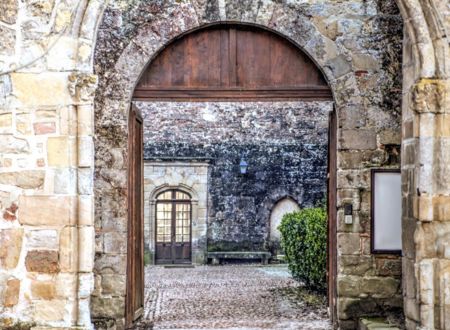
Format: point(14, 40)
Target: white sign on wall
point(386, 211)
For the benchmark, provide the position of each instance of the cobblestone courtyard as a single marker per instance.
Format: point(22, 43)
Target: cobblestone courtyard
point(230, 297)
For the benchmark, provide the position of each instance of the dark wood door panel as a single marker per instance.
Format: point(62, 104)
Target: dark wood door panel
point(229, 61)
point(135, 245)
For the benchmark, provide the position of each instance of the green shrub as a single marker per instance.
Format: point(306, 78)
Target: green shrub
point(304, 241)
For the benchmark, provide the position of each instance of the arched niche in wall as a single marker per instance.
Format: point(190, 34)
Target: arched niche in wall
point(283, 206)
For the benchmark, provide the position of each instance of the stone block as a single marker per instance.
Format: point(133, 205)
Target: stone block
point(7, 40)
point(355, 265)
point(61, 151)
point(13, 145)
point(85, 151)
point(47, 210)
point(114, 242)
point(389, 267)
point(442, 125)
point(62, 56)
point(51, 311)
point(108, 307)
point(409, 279)
point(66, 285)
point(12, 292)
point(8, 11)
point(114, 285)
point(86, 248)
point(353, 179)
point(10, 247)
point(365, 62)
point(26, 179)
point(349, 244)
point(42, 239)
point(6, 123)
point(42, 261)
point(380, 287)
point(339, 65)
point(411, 309)
point(68, 121)
point(23, 123)
point(45, 114)
point(85, 285)
point(390, 137)
point(85, 181)
point(45, 290)
point(44, 128)
point(348, 286)
point(65, 181)
point(41, 89)
point(86, 210)
point(356, 159)
point(358, 139)
point(68, 248)
point(111, 264)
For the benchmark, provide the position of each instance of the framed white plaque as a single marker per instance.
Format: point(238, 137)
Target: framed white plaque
point(386, 212)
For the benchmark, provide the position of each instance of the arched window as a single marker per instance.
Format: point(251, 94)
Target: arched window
point(173, 227)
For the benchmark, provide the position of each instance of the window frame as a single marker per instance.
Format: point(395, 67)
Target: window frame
point(373, 250)
point(173, 201)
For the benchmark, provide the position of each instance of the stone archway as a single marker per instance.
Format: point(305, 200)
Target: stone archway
point(425, 104)
point(126, 73)
point(165, 22)
point(170, 21)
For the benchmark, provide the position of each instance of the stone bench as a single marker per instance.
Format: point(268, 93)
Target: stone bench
point(375, 324)
point(217, 257)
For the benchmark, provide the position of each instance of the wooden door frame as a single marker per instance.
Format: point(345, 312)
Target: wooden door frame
point(315, 92)
point(332, 217)
point(131, 313)
point(173, 202)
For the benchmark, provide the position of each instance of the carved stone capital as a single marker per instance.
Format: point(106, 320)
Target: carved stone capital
point(82, 86)
point(431, 96)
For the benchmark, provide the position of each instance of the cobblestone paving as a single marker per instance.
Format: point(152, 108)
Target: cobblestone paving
point(230, 297)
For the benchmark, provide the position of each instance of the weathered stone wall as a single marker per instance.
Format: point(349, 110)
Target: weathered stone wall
point(425, 165)
point(284, 144)
point(46, 162)
point(44, 42)
point(358, 46)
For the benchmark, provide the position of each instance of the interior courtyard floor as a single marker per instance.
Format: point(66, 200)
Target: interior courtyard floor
point(229, 297)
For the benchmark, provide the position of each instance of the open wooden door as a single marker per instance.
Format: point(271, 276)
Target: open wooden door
point(135, 250)
point(332, 218)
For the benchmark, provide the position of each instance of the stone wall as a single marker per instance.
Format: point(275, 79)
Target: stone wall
point(357, 44)
point(425, 165)
point(46, 162)
point(284, 144)
point(354, 42)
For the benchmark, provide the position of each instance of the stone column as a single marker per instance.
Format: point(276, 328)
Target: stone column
point(426, 167)
point(82, 87)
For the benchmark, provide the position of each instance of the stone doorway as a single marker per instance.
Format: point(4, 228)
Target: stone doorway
point(348, 98)
point(242, 104)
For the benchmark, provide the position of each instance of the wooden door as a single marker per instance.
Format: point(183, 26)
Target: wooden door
point(173, 228)
point(332, 219)
point(228, 62)
point(135, 250)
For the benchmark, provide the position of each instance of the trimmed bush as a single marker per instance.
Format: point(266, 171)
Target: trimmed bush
point(304, 241)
